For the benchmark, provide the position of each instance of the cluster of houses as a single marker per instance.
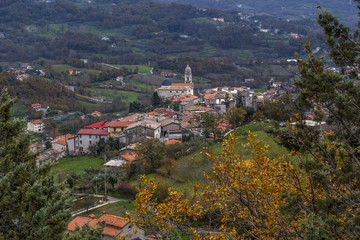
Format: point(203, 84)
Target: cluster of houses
point(165, 124)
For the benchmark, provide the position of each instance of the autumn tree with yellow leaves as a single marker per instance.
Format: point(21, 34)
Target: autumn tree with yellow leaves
point(242, 198)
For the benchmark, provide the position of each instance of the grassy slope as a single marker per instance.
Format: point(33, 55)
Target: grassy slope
point(63, 67)
point(191, 168)
point(119, 209)
point(112, 94)
point(142, 68)
point(77, 164)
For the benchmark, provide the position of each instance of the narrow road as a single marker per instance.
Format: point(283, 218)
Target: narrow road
point(110, 200)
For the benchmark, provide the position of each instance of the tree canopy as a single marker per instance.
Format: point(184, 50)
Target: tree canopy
point(31, 206)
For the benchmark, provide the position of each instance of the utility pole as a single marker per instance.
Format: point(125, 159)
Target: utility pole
point(105, 174)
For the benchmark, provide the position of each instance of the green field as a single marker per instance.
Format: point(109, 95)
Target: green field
point(63, 67)
point(118, 209)
point(77, 164)
point(191, 168)
point(145, 69)
point(112, 94)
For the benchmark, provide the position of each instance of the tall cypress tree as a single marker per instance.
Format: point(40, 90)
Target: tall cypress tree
point(31, 206)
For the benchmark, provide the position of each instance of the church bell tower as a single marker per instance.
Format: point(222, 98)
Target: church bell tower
point(188, 74)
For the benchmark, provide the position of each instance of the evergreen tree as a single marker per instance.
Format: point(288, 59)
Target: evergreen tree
point(331, 158)
point(31, 206)
point(156, 100)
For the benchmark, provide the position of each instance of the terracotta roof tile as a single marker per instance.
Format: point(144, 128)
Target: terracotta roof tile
point(111, 231)
point(185, 98)
point(37, 121)
point(93, 132)
point(131, 157)
point(97, 125)
point(77, 222)
point(172, 141)
point(113, 220)
point(120, 123)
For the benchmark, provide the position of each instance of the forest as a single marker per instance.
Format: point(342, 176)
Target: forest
point(139, 31)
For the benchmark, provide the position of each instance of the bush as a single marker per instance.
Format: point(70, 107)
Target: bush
point(127, 189)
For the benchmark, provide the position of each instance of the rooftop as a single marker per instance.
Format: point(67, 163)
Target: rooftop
point(98, 125)
point(185, 98)
point(93, 132)
point(131, 157)
point(120, 123)
point(37, 121)
point(172, 141)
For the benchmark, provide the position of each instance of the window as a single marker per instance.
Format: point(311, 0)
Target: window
point(80, 142)
point(80, 136)
point(90, 142)
point(96, 136)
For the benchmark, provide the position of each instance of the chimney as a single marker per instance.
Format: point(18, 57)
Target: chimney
point(92, 216)
point(104, 213)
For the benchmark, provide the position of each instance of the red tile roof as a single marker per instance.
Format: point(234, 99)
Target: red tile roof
point(36, 105)
point(61, 142)
point(185, 98)
point(271, 91)
point(112, 231)
point(120, 123)
point(210, 95)
point(131, 157)
point(113, 224)
point(172, 141)
point(97, 125)
point(113, 220)
point(37, 121)
point(93, 132)
point(77, 222)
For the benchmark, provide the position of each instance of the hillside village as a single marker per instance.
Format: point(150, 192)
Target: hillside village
point(165, 124)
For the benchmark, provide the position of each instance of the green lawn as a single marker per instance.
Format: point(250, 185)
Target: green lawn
point(64, 67)
point(145, 69)
point(191, 168)
point(112, 94)
point(118, 209)
point(77, 164)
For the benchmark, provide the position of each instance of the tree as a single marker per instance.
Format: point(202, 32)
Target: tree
point(209, 121)
point(242, 198)
point(48, 145)
point(31, 206)
point(235, 116)
point(330, 157)
point(153, 151)
point(156, 100)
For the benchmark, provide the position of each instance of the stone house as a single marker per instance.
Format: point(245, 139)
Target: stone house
point(169, 125)
point(116, 129)
point(139, 131)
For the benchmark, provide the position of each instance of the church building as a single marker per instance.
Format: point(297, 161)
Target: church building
point(168, 90)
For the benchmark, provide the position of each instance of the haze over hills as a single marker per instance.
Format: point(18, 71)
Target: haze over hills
point(345, 9)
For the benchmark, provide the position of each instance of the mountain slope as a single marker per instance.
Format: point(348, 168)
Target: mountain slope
point(345, 9)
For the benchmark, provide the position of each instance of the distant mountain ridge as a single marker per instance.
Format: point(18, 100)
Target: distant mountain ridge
point(346, 10)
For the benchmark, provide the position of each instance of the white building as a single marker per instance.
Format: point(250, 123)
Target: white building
point(35, 126)
point(169, 90)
